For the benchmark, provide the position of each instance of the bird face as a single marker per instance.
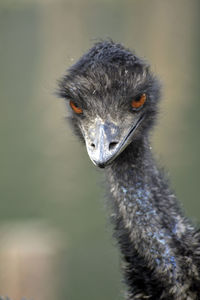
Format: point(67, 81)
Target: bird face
point(112, 98)
point(106, 136)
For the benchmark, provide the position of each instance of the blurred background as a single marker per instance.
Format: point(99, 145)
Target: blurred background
point(55, 238)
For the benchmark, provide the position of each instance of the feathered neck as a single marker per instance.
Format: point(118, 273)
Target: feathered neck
point(148, 226)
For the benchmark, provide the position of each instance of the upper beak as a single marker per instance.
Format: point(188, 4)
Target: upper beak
point(103, 143)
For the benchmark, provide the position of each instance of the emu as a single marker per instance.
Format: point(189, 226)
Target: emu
point(113, 97)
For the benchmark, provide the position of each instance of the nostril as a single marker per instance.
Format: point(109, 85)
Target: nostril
point(112, 145)
point(93, 145)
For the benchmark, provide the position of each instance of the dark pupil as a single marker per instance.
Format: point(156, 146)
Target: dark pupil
point(137, 98)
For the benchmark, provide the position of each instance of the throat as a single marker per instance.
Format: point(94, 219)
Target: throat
point(130, 179)
point(131, 187)
point(133, 166)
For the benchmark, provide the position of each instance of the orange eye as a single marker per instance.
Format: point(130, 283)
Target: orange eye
point(75, 108)
point(139, 101)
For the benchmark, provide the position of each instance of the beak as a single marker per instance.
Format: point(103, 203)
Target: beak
point(105, 141)
point(102, 143)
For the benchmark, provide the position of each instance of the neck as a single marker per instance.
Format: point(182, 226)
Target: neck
point(148, 225)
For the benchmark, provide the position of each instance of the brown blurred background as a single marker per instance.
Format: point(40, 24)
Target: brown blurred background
point(55, 241)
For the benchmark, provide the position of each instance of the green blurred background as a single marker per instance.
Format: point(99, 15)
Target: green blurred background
point(47, 182)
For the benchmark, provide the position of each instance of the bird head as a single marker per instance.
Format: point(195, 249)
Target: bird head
point(112, 96)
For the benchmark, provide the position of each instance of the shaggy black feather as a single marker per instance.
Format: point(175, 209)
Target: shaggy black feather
point(160, 248)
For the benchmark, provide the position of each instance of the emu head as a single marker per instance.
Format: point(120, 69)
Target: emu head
point(113, 97)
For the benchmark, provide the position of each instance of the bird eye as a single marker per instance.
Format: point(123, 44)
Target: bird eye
point(76, 109)
point(139, 101)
